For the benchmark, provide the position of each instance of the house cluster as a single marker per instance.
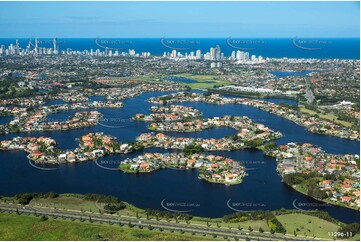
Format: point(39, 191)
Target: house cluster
point(28, 119)
point(44, 150)
point(335, 79)
point(110, 94)
point(312, 123)
point(246, 128)
point(131, 91)
point(23, 101)
point(169, 114)
point(161, 140)
point(339, 174)
point(106, 143)
point(76, 121)
point(212, 168)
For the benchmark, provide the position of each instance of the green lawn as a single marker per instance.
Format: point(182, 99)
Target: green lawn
point(146, 78)
point(308, 225)
point(74, 203)
point(23, 227)
point(255, 224)
point(61, 202)
point(325, 116)
point(19, 227)
point(200, 78)
point(204, 81)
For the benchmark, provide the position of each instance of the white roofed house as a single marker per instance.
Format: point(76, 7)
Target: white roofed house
point(98, 153)
point(62, 157)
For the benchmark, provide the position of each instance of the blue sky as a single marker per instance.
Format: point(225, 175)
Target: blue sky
point(179, 19)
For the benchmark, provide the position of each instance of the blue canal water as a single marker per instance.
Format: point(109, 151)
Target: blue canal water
point(261, 189)
point(5, 119)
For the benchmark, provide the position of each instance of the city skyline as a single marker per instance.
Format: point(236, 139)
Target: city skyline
point(214, 54)
point(175, 19)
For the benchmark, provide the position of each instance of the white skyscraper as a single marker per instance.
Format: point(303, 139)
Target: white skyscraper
point(55, 43)
point(239, 55)
point(233, 55)
point(199, 54)
point(36, 46)
point(212, 53)
point(246, 56)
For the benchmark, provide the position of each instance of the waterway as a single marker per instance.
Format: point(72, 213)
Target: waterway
point(261, 189)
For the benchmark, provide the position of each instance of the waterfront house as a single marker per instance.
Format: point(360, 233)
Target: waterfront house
point(229, 177)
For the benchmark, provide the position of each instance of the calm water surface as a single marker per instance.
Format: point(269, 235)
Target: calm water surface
point(261, 189)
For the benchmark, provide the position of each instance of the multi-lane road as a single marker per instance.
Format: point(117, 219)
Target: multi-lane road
point(199, 229)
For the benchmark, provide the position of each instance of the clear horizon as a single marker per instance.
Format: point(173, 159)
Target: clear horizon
point(174, 19)
point(233, 37)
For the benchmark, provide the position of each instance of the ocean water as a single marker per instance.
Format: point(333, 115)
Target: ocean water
point(334, 48)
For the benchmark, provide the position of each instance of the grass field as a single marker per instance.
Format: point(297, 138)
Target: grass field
point(72, 203)
point(75, 203)
point(146, 78)
point(204, 81)
point(325, 116)
point(23, 227)
point(307, 225)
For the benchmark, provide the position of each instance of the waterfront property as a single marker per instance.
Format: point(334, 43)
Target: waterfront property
point(327, 177)
point(311, 122)
point(168, 114)
point(240, 141)
point(216, 169)
point(45, 150)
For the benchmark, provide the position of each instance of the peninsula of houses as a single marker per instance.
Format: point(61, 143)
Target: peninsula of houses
point(32, 114)
point(45, 150)
point(327, 177)
point(169, 113)
point(216, 169)
point(312, 123)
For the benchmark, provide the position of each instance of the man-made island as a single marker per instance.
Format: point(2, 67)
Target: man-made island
point(216, 169)
point(169, 113)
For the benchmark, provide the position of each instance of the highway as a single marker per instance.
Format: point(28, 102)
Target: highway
point(199, 229)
